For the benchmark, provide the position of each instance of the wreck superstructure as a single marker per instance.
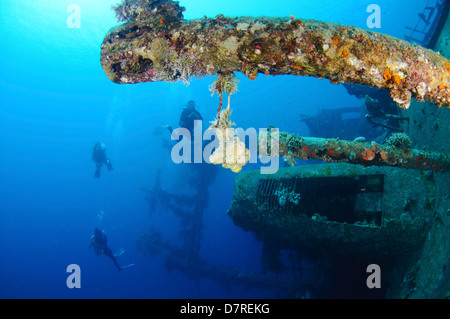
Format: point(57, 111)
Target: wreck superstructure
point(386, 203)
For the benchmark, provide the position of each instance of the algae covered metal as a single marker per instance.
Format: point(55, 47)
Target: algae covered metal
point(396, 152)
point(348, 216)
point(342, 209)
point(156, 44)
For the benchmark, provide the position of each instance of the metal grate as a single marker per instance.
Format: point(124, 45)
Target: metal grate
point(349, 199)
point(266, 194)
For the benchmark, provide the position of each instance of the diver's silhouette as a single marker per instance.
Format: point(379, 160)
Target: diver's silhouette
point(100, 158)
point(188, 116)
point(99, 242)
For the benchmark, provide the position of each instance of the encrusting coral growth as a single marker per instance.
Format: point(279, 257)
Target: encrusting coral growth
point(400, 140)
point(147, 10)
point(397, 153)
point(157, 44)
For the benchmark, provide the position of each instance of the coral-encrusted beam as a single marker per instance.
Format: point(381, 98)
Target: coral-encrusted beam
point(152, 46)
point(395, 153)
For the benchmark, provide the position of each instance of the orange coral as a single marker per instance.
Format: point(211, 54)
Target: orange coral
point(396, 79)
point(344, 53)
point(266, 72)
point(447, 66)
point(161, 20)
point(368, 154)
point(387, 75)
point(441, 86)
point(335, 40)
point(375, 146)
point(297, 67)
point(383, 155)
point(331, 151)
point(252, 76)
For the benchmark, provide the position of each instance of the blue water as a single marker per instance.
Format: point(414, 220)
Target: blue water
point(56, 102)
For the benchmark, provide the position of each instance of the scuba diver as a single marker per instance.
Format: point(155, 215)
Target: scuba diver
point(100, 158)
point(188, 116)
point(100, 243)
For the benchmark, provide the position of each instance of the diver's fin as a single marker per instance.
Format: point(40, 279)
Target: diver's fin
point(127, 266)
point(119, 252)
point(97, 172)
point(109, 165)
